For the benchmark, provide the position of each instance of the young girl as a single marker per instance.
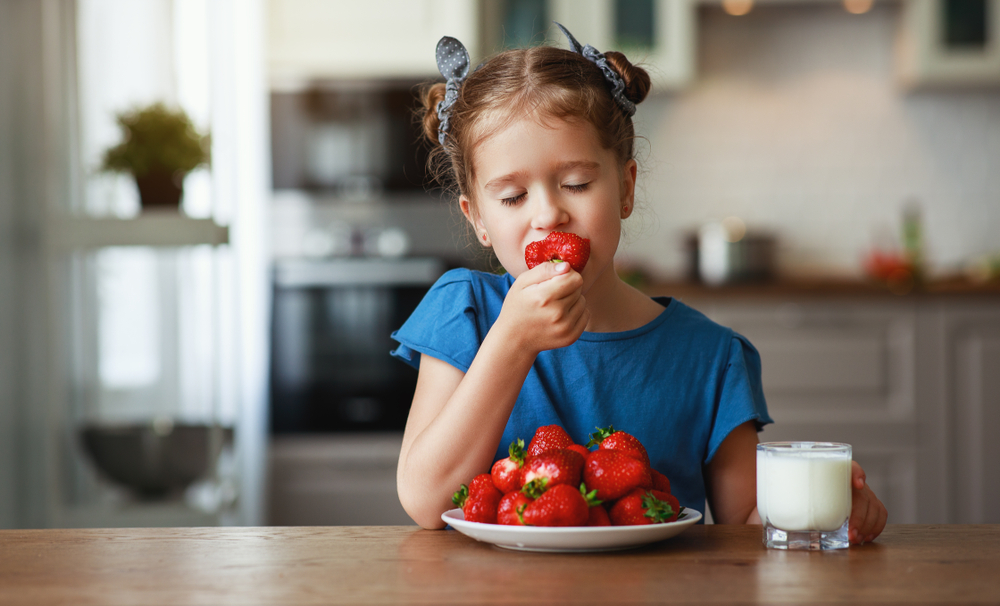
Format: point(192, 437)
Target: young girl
point(540, 140)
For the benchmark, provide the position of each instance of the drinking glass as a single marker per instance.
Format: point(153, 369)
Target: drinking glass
point(804, 494)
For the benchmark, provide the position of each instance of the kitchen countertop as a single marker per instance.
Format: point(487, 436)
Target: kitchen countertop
point(927, 564)
point(820, 288)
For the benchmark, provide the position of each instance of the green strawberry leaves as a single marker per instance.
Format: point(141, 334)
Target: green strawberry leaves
point(598, 436)
point(461, 495)
point(517, 452)
point(656, 510)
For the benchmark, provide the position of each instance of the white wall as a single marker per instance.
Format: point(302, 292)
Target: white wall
point(795, 124)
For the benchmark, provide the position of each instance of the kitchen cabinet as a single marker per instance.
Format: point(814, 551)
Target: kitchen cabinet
point(319, 39)
point(913, 383)
point(949, 43)
point(962, 341)
point(659, 35)
point(336, 479)
point(325, 39)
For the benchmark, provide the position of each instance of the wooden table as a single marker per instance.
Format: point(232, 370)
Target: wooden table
point(380, 565)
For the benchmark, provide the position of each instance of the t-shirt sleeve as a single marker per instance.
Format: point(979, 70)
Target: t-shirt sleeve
point(742, 395)
point(444, 325)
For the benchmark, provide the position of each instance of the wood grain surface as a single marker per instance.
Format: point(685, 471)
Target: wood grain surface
point(949, 564)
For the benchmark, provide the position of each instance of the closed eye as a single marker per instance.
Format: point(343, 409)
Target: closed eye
point(577, 188)
point(512, 201)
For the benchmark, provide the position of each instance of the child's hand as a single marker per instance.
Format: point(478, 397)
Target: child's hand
point(545, 308)
point(868, 514)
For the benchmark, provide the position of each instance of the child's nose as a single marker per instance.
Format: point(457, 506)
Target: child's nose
point(549, 213)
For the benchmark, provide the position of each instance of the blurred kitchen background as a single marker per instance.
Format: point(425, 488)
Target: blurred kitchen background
point(822, 175)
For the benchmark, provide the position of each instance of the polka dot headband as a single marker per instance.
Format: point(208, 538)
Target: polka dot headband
point(453, 63)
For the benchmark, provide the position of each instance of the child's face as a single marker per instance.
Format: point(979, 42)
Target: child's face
point(537, 177)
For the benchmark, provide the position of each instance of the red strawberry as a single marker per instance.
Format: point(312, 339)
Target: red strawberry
point(555, 467)
point(507, 471)
point(613, 474)
point(598, 516)
point(660, 481)
point(644, 507)
point(609, 439)
point(559, 246)
point(511, 507)
point(546, 438)
point(561, 505)
point(479, 500)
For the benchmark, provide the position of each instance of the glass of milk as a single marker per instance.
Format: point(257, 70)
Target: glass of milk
point(804, 494)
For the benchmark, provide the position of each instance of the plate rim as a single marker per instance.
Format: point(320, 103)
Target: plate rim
point(497, 533)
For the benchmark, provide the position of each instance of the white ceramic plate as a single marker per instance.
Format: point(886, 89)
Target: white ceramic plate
point(593, 538)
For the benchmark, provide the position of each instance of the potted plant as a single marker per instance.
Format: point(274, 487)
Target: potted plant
point(159, 148)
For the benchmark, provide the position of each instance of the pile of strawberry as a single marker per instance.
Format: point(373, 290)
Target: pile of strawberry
point(556, 482)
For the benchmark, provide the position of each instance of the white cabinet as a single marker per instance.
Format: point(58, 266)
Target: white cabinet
point(325, 39)
point(912, 383)
point(964, 376)
point(949, 43)
point(316, 39)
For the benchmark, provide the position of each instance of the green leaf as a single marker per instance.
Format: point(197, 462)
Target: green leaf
point(598, 436)
point(460, 496)
point(657, 510)
point(535, 488)
point(589, 497)
point(517, 452)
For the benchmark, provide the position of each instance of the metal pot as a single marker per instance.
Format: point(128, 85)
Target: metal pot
point(727, 253)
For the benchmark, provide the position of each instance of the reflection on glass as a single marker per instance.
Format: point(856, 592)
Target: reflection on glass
point(524, 23)
point(964, 23)
point(635, 23)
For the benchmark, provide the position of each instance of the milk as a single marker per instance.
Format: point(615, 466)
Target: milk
point(804, 486)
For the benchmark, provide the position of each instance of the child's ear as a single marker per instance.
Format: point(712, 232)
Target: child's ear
point(629, 172)
point(477, 223)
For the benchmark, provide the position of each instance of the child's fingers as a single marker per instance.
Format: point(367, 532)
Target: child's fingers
point(883, 517)
point(858, 476)
point(859, 516)
point(875, 520)
point(543, 272)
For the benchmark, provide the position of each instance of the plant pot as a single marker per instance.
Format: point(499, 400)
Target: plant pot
point(160, 189)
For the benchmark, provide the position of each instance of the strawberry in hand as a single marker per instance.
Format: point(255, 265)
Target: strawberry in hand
point(561, 247)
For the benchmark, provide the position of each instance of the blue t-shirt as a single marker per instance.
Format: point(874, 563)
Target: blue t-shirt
point(679, 384)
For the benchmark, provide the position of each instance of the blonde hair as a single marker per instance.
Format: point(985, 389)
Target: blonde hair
point(547, 81)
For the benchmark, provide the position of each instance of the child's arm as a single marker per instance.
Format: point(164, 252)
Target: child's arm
point(732, 488)
point(457, 419)
point(731, 478)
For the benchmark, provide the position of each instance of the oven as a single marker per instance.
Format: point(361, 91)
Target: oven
point(331, 371)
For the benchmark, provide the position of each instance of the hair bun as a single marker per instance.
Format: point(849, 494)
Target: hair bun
point(432, 95)
point(637, 82)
